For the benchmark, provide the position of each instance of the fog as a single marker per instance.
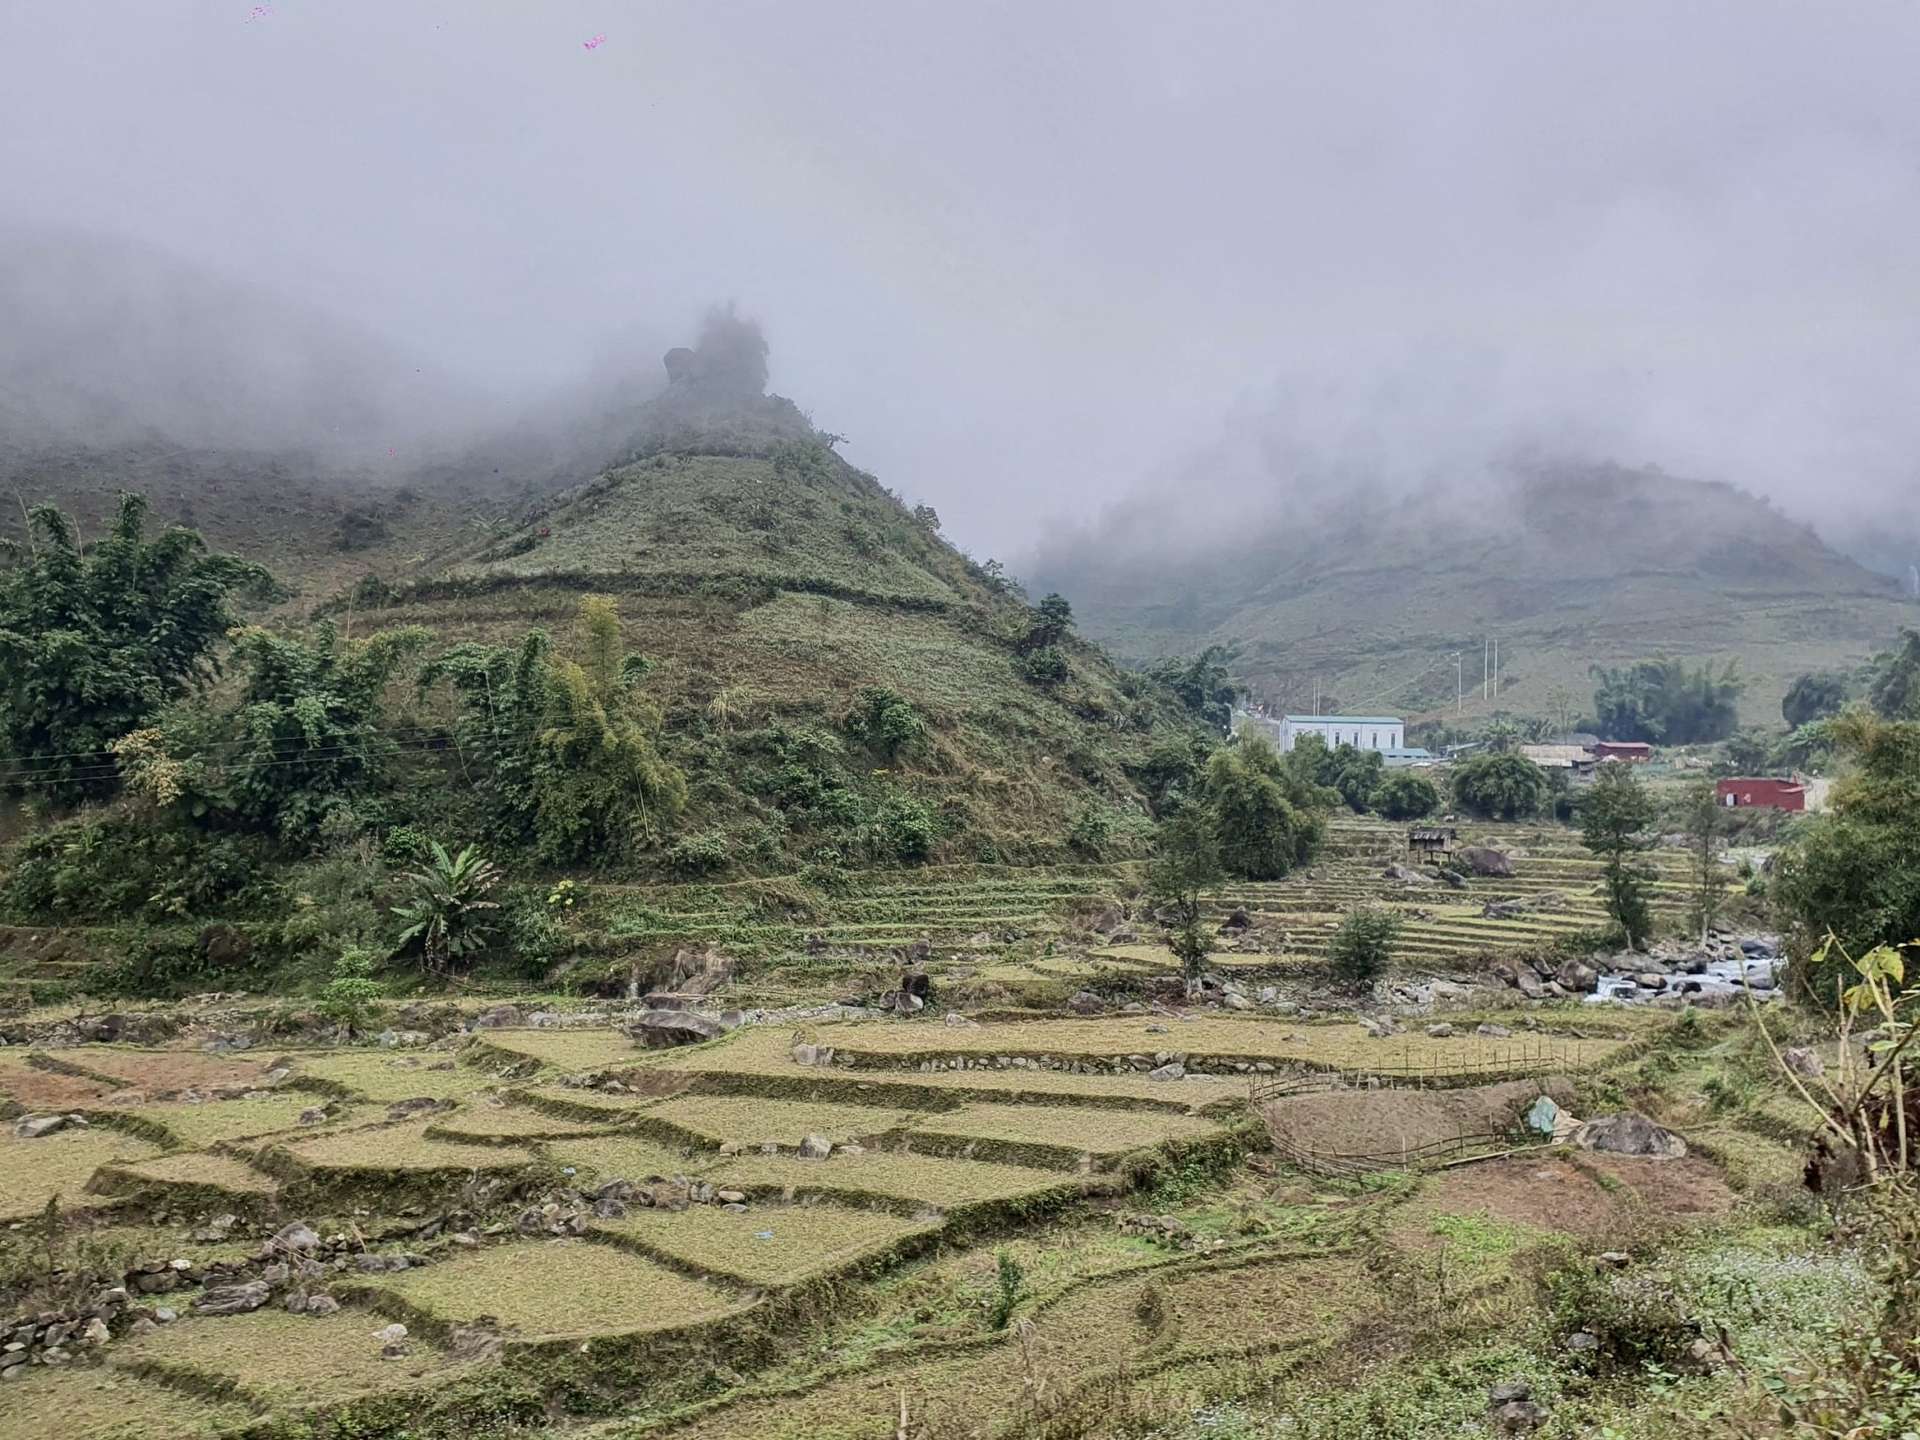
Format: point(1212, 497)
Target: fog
point(1029, 258)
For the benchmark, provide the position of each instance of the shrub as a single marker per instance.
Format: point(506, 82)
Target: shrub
point(905, 829)
point(886, 722)
point(1091, 829)
point(698, 854)
point(1009, 1287)
point(447, 917)
point(351, 995)
point(1500, 787)
point(1045, 666)
point(1403, 795)
point(1362, 945)
point(1637, 1315)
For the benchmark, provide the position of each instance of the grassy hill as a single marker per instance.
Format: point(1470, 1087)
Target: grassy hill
point(773, 587)
point(1567, 569)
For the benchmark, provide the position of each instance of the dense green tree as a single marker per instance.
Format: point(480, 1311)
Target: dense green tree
point(1814, 696)
point(95, 642)
point(563, 749)
point(1500, 787)
point(1668, 702)
point(1174, 762)
point(887, 723)
point(1202, 684)
point(1614, 819)
point(1895, 693)
point(1185, 863)
point(1405, 795)
point(1855, 871)
point(1749, 752)
point(303, 739)
point(1362, 945)
point(1265, 822)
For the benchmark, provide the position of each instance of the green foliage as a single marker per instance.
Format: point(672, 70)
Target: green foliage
point(1855, 871)
point(1091, 829)
point(698, 855)
point(1009, 1288)
point(447, 918)
point(1749, 752)
point(1045, 666)
point(1405, 795)
point(1703, 820)
point(1613, 822)
point(1500, 787)
point(1172, 766)
point(351, 996)
point(887, 724)
point(301, 742)
point(1186, 861)
point(1895, 693)
point(1266, 820)
point(1668, 702)
point(564, 751)
point(1638, 1315)
point(1202, 686)
point(123, 865)
point(1362, 945)
point(93, 645)
point(1814, 696)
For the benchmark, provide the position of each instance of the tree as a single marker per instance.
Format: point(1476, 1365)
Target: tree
point(1613, 822)
point(1750, 752)
point(1854, 872)
point(1356, 774)
point(1668, 702)
point(302, 740)
point(1186, 861)
point(564, 750)
point(1405, 795)
point(1362, 945)
point(94, 644)
point(1500, 787)
point(1502, 735)
point(1701, 817)
point(1202, 685)
point(447, 916)
point(1265, 822)
point(1814, 696)
point(1052, 619)
point(887, 723)
point(1895, 694)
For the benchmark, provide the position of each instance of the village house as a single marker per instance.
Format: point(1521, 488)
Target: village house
point(1742, 791)
point(1637, 752)
point(1576, 762)
point(1363, 732)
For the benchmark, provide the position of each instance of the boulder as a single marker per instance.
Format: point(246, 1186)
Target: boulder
point(1577, 977)
point(815, 1147)
point(1629, 1134)
point(1441, 1031)
point(663, 1029)
point(1803, 1061)
point(499, 1017)
point(32, 1127)
point(233, 1299)
point(1485, 860)
point(1237, 920)
point(1493, 1032)
point(1172, 1070)
point(1085, 1002)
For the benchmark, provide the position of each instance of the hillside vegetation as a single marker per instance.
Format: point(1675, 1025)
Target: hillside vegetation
point(1568, 569)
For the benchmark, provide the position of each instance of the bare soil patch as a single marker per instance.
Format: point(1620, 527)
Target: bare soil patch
point(1568, 1197)
point(1378, 1122)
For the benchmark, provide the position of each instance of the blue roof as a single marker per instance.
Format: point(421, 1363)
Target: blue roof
point(1409, 753)
point(1344, 719)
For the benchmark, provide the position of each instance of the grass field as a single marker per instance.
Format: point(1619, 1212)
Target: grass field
point(217, 1120)
point(384, 1079)
point(562, 1287)
point(402, 1147)
point(893, 1175)
point(102, 1403)
point(600, 1158)
point(193, 1167)
point(291, 1360)
point(756, 1121)
point(1098, 1132)
point(570, 1050)
point(33, 1171)
point(766, 1244)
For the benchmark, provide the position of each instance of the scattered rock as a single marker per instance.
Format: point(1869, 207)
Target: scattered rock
point(1629, 1134)
point(499, 1017)
point(1085, 1002)
point(1442, 1031)
point(662, 1029)
point(1614, 1259)
point(1485, 860)
point(1583, 1342)
point(314, 1115)
point(322, 1305)
point(1172, 1070)
point(233, 1299)
point(1803, 1061)
point(391, 1335)
point(815, 1147)
point(1577, 977)
point(32, 1127)
point(1493, 1032)
point(297, 1237)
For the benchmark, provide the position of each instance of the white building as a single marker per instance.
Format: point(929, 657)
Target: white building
point(1363, 732)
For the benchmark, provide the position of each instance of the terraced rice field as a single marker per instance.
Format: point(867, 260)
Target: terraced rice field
point(623, 1157)
point(1095, 1132)
point(108, 1403)
point(32, 1172)
point(404, 1146)
point(276, 1359)
point(900, 1176)
point(384, 1078)
point(767, 1244)
point(549, 1288)
point(757, 1121)
point(215, 1121)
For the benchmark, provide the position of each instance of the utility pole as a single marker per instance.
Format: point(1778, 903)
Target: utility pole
point(1496, 674)
point(1486, 667)
point(1459, 687)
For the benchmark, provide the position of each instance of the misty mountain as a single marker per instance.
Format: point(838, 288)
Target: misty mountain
point(1566, 566)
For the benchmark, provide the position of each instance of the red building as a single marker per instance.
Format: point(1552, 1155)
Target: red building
point(1637, 751)
point(1776, 794)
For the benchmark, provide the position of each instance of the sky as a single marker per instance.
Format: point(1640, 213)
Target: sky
point(1033, 258)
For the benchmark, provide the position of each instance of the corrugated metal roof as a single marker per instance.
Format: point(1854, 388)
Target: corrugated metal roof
point(1344, 719)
